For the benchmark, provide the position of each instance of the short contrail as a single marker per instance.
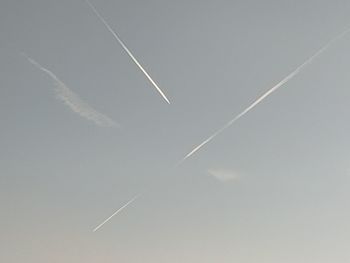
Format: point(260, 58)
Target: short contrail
point(73, 101)
point(266, 94)
point(126, 49)
point(115, 213)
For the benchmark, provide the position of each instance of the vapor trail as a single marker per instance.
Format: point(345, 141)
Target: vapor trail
point(73, 101)
point(126, 49)
point(115, 213)
point(266, 94)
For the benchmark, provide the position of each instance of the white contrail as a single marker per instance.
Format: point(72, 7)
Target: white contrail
point(73, 101)
point(126, 50)
point(266, 94)
point(115, 213)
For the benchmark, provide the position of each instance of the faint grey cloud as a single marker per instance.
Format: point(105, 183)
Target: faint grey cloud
point(73, 101)
point(224, 175)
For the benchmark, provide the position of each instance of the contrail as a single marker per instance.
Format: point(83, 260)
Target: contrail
point(73, 101)
point(126, 49)
point(115, 213)
point(266, 94)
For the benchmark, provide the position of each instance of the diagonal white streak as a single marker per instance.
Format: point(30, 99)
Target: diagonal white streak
point(266, 94)
point(73, 101)
point(126, 50)
point(115, 213)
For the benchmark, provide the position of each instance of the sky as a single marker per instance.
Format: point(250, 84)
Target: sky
point(83, 138)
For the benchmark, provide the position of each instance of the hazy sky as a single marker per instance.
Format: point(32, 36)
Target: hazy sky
point(272, 188)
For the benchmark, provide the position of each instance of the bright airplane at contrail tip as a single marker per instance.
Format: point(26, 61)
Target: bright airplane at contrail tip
point(126, 50)
point(266, 94)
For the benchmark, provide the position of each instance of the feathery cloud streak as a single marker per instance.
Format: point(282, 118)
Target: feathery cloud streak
point(73, 101)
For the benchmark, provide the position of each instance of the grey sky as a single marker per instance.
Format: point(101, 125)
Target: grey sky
point(60, 174)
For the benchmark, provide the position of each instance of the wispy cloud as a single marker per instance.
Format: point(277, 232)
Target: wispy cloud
point(73, 101)
point(224, 175)
point(115, 213)
point(116, 36)
point(266, 94)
